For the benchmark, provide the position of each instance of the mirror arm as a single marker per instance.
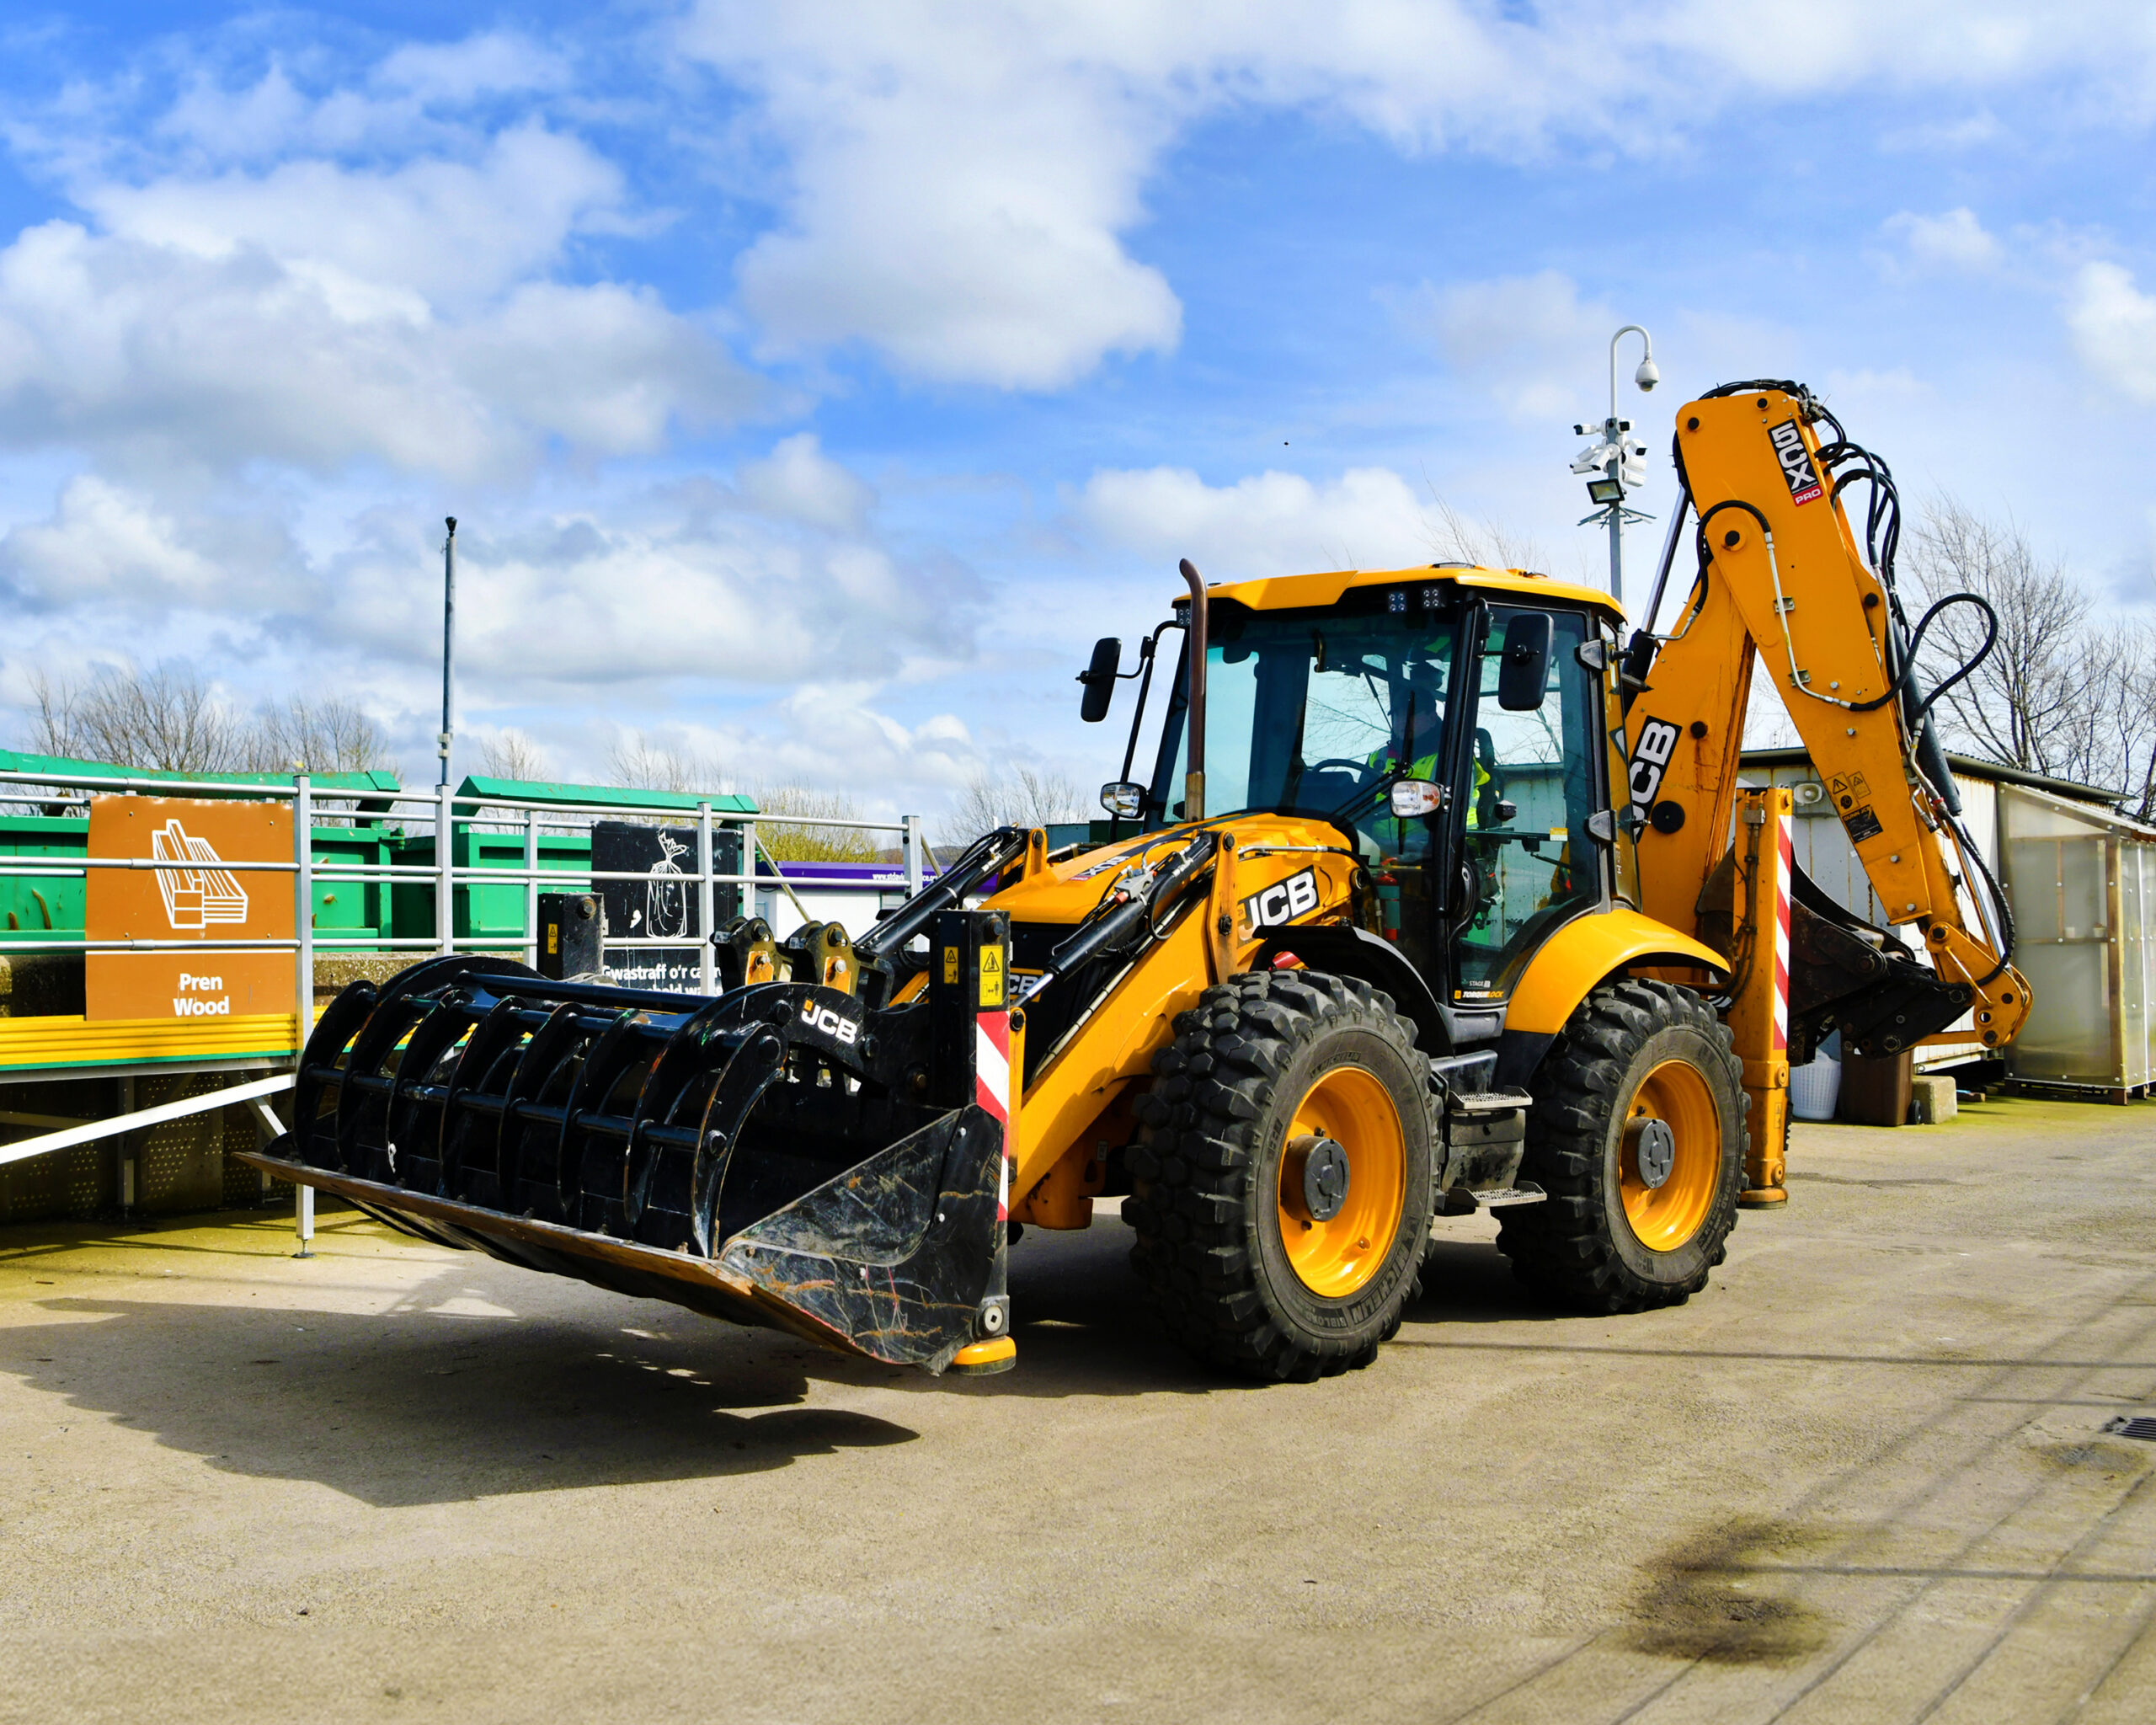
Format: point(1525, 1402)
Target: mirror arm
point(1148, 656)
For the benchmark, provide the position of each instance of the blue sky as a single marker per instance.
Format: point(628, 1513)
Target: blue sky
point(812, 382)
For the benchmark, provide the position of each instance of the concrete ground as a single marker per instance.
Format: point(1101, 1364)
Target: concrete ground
point(1863, 1477)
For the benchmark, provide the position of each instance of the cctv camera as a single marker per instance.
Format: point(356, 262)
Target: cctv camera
point(1646, 376)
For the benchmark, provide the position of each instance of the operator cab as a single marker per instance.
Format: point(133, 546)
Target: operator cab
point(1322, 710)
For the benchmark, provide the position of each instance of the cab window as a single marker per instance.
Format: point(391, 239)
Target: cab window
point(1528, 862)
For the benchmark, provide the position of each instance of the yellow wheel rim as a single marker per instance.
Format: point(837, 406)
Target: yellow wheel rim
point(1337, 1257)
point(1664, 1217)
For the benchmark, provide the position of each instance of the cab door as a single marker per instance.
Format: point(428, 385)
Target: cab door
point(1529, 861)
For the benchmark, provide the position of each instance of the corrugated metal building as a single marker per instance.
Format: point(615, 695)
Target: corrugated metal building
point(2080, 879)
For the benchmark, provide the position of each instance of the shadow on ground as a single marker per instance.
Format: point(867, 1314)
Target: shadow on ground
point(1468, 1281)
point(419, 1406)
point(448, 1396)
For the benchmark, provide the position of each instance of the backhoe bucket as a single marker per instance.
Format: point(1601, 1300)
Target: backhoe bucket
point(782, 1154)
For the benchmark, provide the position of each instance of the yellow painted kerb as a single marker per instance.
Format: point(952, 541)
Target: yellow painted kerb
point(76, 1041)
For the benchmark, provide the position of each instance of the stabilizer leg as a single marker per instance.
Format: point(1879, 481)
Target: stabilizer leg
point(1759, 1015)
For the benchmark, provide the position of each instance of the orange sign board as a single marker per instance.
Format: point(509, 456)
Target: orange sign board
point(198, 899)
point(206, 984)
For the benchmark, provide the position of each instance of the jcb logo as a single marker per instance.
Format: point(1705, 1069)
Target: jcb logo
point(1283, 901)
point(1803, 478)
point(830, 1021)
point(1651, 760)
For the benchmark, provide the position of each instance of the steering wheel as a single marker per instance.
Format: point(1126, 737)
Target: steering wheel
point(1335, 760)
point(1478, 884)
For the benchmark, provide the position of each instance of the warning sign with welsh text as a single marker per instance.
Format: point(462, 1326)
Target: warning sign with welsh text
point(191, 895)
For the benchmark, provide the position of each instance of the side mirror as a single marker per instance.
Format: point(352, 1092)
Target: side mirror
point(1412, 797)
point(1122, 799)
point(1524, 666)
point(1099, 679)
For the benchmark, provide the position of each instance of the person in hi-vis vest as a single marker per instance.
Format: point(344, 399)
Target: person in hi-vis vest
point(1418, 739)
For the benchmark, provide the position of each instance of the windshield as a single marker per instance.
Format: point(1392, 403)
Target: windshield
point(1308, 712)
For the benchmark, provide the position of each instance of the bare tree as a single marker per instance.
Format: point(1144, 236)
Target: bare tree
point(2136, 721)
point(56, 726)
point(1487, 543)
point(2061, 693)
point(170, 719)
point(510, 753)
point(167, 719)
point(1020, 796)
point(327, 735)
point(1767, 722)
point(638, 762)
point(789, 843)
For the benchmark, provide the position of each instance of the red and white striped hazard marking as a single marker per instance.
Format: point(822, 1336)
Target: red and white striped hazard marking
point(1785, 849)
point(992, 1086)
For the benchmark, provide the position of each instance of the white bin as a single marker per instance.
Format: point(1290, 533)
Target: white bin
point(1814, 1090)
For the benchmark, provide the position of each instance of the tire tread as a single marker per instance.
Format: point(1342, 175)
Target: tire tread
point(1199, 1125)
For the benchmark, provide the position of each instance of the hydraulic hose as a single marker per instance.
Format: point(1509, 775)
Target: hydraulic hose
point(1123, 925)
point(2005, 910)
point(1882, 535)
point(1908, 656)
point(988, 855)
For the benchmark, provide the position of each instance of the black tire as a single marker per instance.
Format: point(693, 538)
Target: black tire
point(1628, 1049)
point(1207, 1171)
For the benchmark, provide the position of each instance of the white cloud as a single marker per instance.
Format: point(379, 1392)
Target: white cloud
point(836, 732)
point(1530, 341)
point(455, 231)
point(1268, 524)
point(158, 353)
point(955, 200)
point(1944, 136)
point(104, 543)
point(414, 94)
point(317, 314)
point(492, 63)
point(2113, 324)
point(671, 590)
point(1955, 241)
point(798, 482)
point(964, 178)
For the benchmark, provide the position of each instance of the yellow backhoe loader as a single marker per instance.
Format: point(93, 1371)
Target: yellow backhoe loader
point(1440, 898)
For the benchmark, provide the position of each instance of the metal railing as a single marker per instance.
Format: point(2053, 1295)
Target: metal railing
point(447, 812)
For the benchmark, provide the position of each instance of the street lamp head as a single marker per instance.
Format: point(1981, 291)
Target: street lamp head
point(1648, 375)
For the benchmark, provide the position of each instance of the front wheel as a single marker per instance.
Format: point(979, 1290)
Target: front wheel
point(1637, 1134)
point(1284, 1174)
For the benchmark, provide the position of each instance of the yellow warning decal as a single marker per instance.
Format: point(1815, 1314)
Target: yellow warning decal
point(949, 963)
point(991, 975)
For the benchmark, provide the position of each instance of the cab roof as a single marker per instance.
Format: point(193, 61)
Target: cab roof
point(1299, 592)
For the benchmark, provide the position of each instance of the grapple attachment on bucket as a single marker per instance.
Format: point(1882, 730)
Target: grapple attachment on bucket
point(782, 1154)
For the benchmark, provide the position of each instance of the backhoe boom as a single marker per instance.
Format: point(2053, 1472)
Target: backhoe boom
point(1782, 574)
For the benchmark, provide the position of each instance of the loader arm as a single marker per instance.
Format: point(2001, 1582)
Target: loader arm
point(1781, 573)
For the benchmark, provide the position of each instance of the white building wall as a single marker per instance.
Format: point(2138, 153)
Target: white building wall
point(1823, 851)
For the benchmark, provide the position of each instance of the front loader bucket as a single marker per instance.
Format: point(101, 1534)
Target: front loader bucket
point(782, 1155)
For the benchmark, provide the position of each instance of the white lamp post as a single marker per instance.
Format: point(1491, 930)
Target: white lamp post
point(1615, 463)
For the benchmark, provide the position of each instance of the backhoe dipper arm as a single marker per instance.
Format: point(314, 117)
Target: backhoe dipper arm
point(1782, 572)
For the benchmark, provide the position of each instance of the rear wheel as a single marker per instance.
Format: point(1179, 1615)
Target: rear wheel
point(1283, 1174)
point(1637, 1134)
